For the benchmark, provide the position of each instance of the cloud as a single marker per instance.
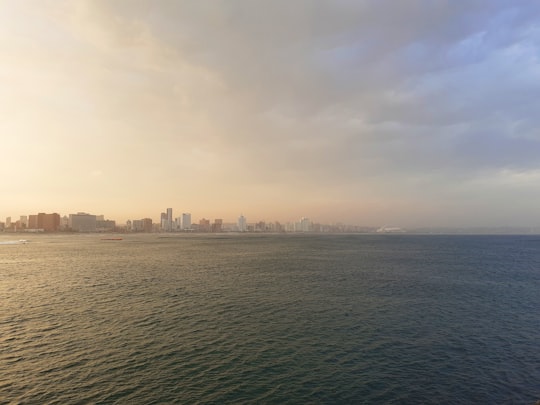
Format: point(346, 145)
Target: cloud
point(395, 100)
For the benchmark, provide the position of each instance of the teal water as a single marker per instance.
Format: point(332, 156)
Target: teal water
point(270, 319)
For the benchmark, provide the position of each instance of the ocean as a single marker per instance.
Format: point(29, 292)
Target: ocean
point(270, 319)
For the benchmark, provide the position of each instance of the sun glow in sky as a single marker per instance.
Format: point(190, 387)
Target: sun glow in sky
point(410, 112)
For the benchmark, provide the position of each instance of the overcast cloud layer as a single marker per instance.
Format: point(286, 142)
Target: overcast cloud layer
point(408, 113)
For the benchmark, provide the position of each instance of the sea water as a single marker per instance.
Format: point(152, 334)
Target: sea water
point(270, 319)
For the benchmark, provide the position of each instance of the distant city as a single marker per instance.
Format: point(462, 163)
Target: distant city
point(86, 222)
point(82, 222)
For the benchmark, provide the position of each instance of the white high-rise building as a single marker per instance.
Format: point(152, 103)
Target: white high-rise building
point(304, 225)
point(186, 221)
point(242, 223)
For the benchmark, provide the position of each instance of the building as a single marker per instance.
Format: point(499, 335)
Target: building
point(48, 222)
point(166, 222)
point(242, 223)
point(217, 226)
point(186, 221)
point(82, 222)
point(142, 225)
point(204, 225)
point(304, 225)
point(163, 221)
point(137, 225)
point(147, 224)
point(169, 225)
point(44, 222)
point(32, 222)
point(105, 225)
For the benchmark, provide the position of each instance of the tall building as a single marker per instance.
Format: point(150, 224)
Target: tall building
point(169, 220)
point(32, 222)
point(105, 225)
point(24, 221)
point(204, 225)
point(45, 222)
point(305, 225)
point(48, 222)
point(217, 226)
point(64, 223)
point(8, 222)
point(141, 225)
point(82, 222)
point(242, 223)
point(186, 221)
point(163, 221)
point(147, 224)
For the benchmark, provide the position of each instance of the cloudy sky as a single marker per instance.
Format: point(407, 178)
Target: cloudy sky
point(372, 112)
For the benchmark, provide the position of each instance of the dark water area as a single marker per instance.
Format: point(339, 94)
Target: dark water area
point(270, 319)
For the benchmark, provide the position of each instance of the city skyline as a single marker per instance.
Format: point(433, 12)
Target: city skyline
point(87, 222)
point(166, 221)
point(409, 113)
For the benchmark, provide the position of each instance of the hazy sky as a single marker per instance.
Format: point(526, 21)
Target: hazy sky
point(404, 112)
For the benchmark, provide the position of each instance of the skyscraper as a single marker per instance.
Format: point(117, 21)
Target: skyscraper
point(169, 226)
point(32, 222)
point(305, 225)
point(186, 221)
point(217, 226)
point(82, 222)
point(147, 224)
point(48, 222)
point(204, 225)
point(163, 221)
point(242, 223)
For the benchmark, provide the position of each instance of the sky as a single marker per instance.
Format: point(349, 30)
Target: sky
point(402, 113)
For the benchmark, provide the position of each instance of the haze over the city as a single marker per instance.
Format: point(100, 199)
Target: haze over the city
point(407, 113)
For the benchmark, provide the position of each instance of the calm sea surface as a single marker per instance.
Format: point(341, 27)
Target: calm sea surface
point(270, 319)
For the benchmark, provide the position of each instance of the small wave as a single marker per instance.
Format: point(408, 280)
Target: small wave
point(14, 242)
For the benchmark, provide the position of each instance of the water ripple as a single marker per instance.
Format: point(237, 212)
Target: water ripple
point(280, 319)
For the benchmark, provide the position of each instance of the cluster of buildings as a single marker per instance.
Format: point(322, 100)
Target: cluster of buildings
point(184, 223)
point(42, 222)
point(85, 222)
